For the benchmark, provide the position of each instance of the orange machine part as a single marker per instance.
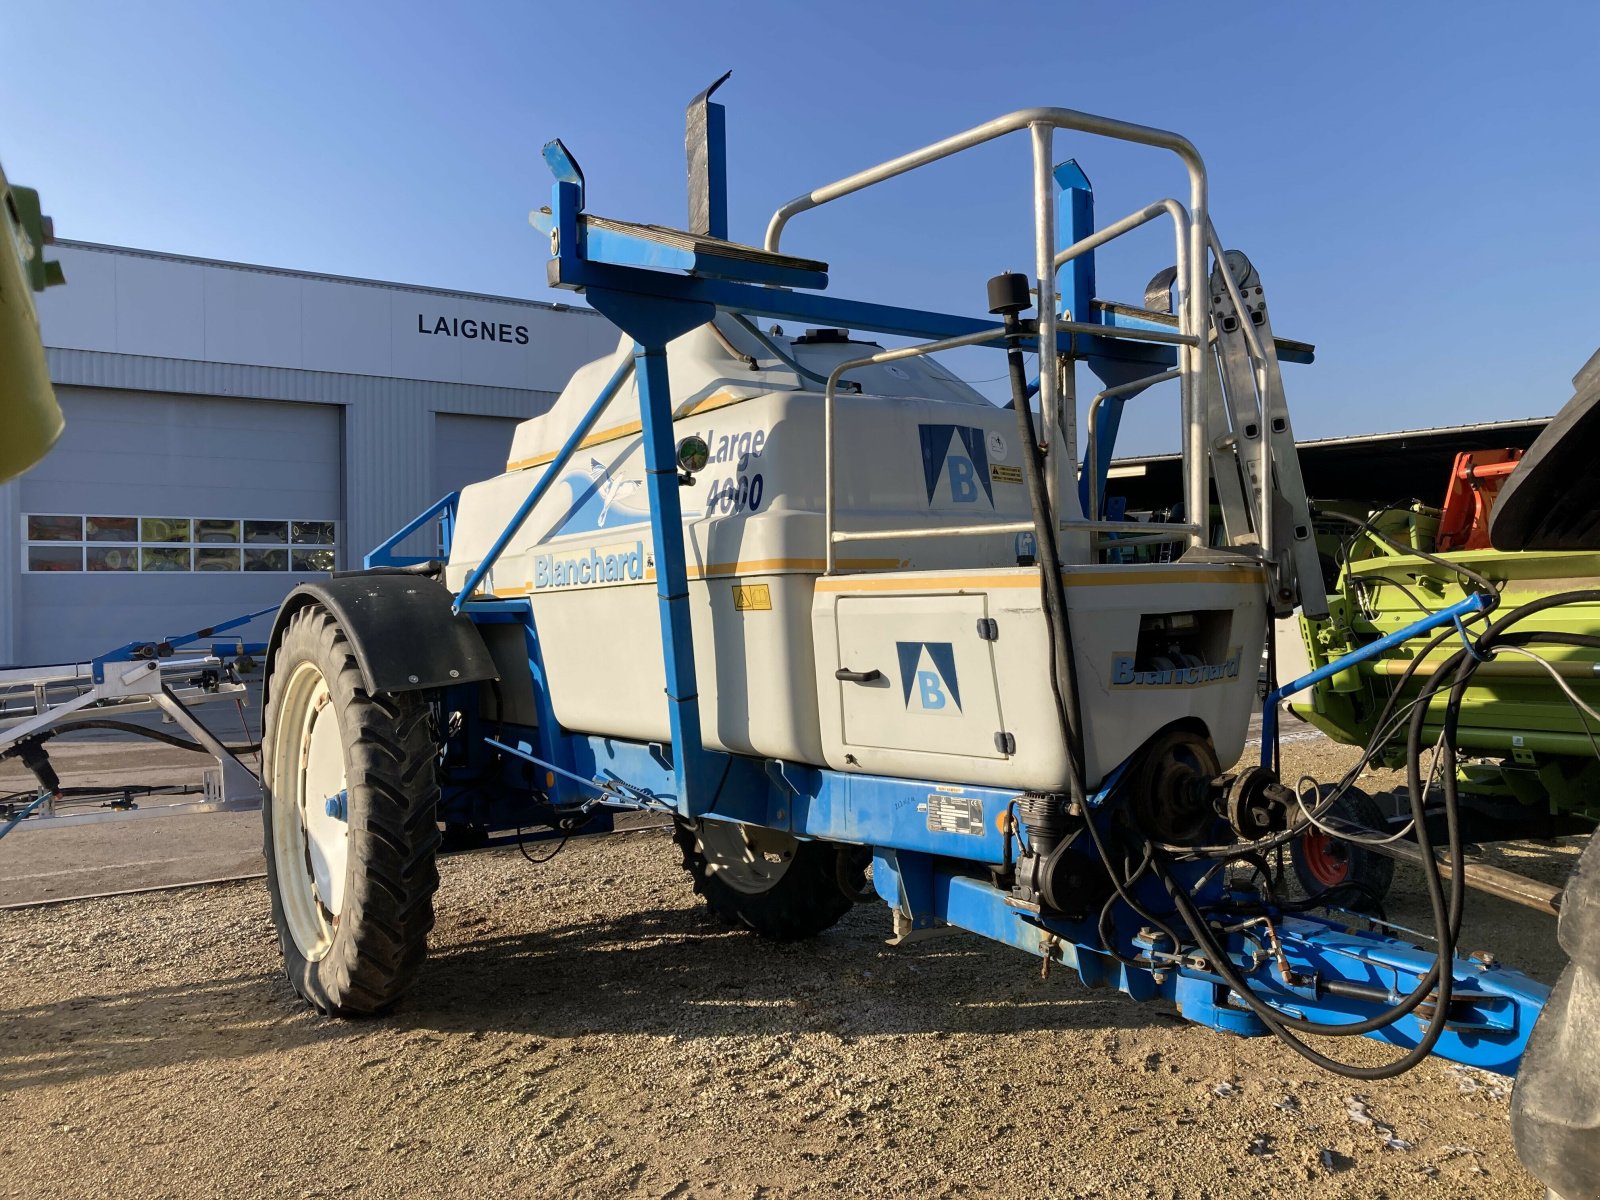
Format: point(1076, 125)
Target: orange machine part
point(1475, 481)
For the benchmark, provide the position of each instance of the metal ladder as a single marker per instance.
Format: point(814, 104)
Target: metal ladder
point(1252, 382)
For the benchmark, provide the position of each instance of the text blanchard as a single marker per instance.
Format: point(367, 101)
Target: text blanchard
point(1123, 673)
point(610, 565)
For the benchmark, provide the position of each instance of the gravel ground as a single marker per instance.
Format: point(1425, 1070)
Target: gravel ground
point(584, 1029)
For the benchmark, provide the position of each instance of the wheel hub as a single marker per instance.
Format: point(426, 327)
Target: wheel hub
point(747, 858)
point(311, 845)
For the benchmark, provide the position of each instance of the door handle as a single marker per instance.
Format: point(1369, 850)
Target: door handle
point(849, 676)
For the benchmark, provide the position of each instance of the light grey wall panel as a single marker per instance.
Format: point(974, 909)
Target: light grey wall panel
point(70, 618)
point(467, 449)
point(161, 308)
point(252, 317)
point(139, 453)
point(143, 454)
point(82, 315)
point(158, 305)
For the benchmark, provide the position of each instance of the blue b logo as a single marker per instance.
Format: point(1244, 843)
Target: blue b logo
point(963, 479)
point(929, 668)
point(956, 453)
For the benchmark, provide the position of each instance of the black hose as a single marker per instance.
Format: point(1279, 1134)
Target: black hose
point(1437, 983)
point(1063, 672)
point(154, 735)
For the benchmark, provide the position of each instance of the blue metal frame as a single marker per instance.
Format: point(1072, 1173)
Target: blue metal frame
point(137, 651)
point(536, 493)
point(1478, 602)
point(931, 874)
point(443, 509)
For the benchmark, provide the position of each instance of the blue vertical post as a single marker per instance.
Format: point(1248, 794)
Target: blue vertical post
point(1076, 207)
point(690, 760)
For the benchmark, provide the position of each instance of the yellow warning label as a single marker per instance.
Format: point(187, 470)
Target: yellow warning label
point(1004, 474)
point(752, 597)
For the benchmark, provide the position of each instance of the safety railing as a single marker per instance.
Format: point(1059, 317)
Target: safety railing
point(829, 397)
point(1041, 124)
point(443, 510)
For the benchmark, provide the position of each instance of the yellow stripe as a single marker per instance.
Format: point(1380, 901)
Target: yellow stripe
point(932, 583)
point(718, 399)
point(756, 566)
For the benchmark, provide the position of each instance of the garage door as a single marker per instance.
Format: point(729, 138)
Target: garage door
point(156, 515)
point(467, 449)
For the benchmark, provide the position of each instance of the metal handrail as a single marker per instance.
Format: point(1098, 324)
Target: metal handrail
point(981, 337)
point(1180, 222)
point(556, 465)
point(1087, 526)
point(1091, 449)
point(1057, 118)
point(381, 556)
point(1041, 124)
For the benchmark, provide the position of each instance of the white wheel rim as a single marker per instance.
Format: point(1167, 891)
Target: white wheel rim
point(310, 807)
point(747, 858)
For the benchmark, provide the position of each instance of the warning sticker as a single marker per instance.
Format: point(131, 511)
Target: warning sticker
point(955, 814)
point(1004, 474)
point(752, 597)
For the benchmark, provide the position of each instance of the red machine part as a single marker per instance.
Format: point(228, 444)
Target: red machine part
point(1475, 481)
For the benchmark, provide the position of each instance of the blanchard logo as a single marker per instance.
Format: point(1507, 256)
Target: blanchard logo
point(929, 670)
point(594, 566)
point(1123, 673)
point(955, 464)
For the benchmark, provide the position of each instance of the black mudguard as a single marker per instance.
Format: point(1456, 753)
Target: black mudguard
point(1555, 1109)
point(401, 628)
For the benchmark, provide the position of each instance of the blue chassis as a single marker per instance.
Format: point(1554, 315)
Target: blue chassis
point(512, 777)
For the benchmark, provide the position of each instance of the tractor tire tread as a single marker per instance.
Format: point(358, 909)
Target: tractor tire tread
point(806, 901)
point(381, 939)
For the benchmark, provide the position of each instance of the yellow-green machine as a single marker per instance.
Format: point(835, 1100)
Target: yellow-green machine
point(30, 418)
point(1527, 749)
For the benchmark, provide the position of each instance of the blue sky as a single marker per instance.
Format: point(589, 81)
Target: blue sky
point(1416, 182)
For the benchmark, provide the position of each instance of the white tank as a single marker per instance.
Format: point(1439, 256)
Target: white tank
point(915, 448)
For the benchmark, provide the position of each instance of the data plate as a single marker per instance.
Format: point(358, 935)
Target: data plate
point(955, 814)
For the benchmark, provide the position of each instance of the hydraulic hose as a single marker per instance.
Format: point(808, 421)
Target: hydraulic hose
point(1063, 674)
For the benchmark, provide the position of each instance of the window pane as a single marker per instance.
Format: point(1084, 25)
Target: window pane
point(313, 560)
point(217, 558)
point(112, 558)
point(164, 529)
point(313, 533)
point(216, 531)
point(269, 532)
point(164, 560)
point(112, 529)
point(55, 529)
point(55, 558)
point(266, 560)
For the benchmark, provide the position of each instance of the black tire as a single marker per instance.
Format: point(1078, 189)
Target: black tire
point(816, 886)
point(358, 957)
point(1352, 875)
point(1555, 1109)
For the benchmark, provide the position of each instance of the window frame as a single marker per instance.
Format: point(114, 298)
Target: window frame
point(136, 547)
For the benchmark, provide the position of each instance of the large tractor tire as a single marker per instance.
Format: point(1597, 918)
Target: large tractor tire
point(1555, 1109)
point(784, 889)
point(1357, 877)
point(350, 794)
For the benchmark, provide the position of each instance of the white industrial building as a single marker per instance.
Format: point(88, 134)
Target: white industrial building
point(233, 429)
